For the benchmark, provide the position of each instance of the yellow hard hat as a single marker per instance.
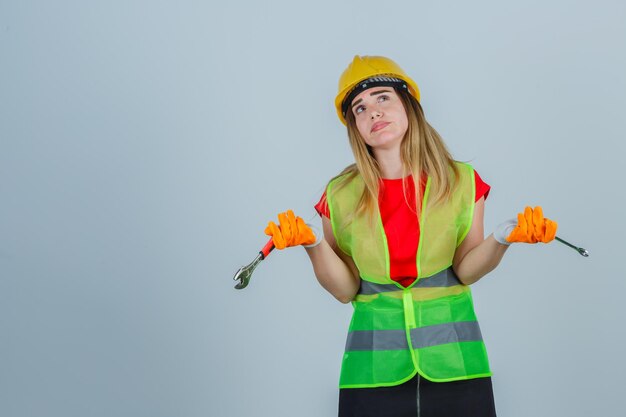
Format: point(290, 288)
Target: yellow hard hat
point(379, 70)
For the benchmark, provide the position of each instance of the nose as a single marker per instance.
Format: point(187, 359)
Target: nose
point(375, 113)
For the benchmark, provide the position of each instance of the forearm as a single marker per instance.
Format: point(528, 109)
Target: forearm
point(481, 260)
point(332, 272)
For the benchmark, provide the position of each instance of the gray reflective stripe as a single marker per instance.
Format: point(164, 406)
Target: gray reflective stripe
point(461, 331)
point(376, 340)
point(445, 278)
point(369, 288)
point(440, 334)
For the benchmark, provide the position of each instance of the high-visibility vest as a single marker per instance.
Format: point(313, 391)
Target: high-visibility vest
point(429, 327)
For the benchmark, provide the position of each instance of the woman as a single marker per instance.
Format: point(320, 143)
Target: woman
point(404, 253)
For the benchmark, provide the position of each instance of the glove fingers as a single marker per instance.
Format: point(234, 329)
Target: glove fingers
point(285, 227)
point(522, 224)
point(305, 234)
point(293, 227)
point(532, 227)
point(293, 231)
point(539, 223)
point(551, 227)
point(530, 232)
point(538, 215)
point(273, 230)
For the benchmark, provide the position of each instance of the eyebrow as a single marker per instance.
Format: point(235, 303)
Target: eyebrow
point(371, 94)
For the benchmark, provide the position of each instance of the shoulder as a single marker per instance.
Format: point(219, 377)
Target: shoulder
point(350, 172)
point(334, 186)
point(350, 183)
point(463, 166)
point(322, 206)
point(344, 179)
point(481, 187)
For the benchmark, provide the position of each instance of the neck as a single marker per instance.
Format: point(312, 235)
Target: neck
point(390, 162)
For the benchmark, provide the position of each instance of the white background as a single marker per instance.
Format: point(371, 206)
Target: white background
point(145, 145)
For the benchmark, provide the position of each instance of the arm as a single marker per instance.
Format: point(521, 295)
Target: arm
point(335, 271)
point(477, 256)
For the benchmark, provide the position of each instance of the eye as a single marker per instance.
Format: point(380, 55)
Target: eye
point(382, 98)
point(359, 109)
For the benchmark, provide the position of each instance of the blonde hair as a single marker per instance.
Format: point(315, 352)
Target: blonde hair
point(422, 150)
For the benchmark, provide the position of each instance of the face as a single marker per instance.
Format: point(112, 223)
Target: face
point(380, 117)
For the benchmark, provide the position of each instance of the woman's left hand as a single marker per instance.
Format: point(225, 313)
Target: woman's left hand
point(532, 227)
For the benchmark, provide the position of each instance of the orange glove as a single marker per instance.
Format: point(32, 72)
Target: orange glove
point(532, 227)
point(293, 231)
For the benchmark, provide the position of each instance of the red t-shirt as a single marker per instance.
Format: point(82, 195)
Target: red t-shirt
point(401, 224)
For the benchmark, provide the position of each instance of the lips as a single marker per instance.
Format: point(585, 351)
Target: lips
point(379, 125)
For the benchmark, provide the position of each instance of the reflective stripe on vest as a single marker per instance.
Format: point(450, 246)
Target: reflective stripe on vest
point(439, 334)
point(445, 278)
point(429, 327)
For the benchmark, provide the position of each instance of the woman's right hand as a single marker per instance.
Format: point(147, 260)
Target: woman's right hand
point(291, 231)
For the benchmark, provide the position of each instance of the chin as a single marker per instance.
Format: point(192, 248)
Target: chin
point(385, 139)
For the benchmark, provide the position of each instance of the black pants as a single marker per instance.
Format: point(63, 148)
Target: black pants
point(419, 397)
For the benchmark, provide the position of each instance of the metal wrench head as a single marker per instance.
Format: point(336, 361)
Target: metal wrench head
point(243, 276)
point(245, 272)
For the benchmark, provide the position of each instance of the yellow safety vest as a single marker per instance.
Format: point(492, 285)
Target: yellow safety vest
point(429, 327)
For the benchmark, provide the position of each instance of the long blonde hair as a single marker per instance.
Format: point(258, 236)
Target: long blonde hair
point(422, 150)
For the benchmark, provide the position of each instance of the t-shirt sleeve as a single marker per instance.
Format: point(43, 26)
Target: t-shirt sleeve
point(482, 188)
point(322, 206)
